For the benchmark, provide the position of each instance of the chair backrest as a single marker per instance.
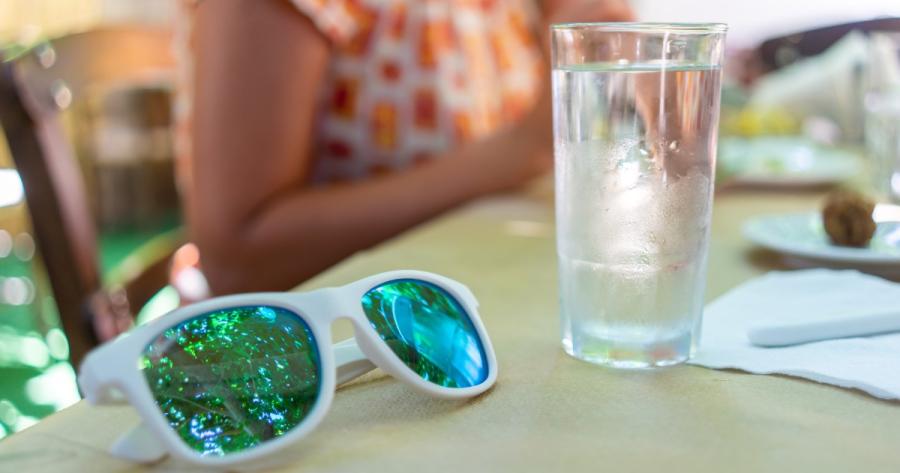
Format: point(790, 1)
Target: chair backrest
point(33, 90)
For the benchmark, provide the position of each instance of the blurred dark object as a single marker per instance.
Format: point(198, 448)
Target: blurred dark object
point(746, 66)
point(126, 136)
point(34, 88)
point(778, 52)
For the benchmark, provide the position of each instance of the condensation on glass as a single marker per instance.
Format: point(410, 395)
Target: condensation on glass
point(636, 111)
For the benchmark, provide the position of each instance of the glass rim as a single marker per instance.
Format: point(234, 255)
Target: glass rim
point(643, 27)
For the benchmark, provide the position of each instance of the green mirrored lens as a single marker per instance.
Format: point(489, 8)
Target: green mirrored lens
point(232, 379)
point(429, 330)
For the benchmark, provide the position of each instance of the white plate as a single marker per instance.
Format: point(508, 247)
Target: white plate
point(784, 161)
point(803, 235)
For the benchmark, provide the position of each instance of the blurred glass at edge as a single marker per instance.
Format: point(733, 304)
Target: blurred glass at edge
point(882, 114)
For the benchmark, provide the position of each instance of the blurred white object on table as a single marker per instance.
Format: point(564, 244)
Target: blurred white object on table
point(784, 161)
point(830, 85)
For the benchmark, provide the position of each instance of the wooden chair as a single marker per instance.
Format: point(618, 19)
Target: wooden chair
point(34, 87)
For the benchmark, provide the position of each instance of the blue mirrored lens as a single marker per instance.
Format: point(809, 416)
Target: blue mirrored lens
point(429, 331)
point(234, 378)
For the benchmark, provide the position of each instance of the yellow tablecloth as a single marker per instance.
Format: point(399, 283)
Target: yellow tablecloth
point(548, 412)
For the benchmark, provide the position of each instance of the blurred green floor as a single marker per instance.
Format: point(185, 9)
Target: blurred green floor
point(35, 376)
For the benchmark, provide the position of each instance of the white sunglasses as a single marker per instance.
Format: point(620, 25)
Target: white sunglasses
point(236, 378)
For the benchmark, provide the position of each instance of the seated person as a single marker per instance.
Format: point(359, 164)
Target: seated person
point(316, 128)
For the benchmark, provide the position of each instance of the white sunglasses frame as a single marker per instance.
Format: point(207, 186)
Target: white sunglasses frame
point(110, 373)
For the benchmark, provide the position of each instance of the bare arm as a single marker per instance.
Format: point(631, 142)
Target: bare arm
point(563, 11)
point(257, 222)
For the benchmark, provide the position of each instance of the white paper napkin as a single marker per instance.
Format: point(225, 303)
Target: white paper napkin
point(871, 364)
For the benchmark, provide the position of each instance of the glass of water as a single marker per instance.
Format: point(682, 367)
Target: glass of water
point(636, 113)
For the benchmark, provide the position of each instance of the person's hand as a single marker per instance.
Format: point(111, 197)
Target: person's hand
point(512, 156)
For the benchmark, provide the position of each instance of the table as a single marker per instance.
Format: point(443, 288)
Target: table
point(548, 412)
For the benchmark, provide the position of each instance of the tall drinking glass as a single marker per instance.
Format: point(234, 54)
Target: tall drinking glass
point(883, 142)
point(636, 113)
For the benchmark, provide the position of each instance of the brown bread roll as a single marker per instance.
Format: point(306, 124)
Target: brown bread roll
point(847, 217)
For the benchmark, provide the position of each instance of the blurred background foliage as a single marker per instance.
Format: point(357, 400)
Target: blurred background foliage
point(35, 376)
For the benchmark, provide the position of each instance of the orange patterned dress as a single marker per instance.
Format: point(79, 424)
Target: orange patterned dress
point(409, 79)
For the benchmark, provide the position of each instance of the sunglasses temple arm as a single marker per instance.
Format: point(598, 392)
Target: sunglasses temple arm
point(139, 445)
point(351, 362)
point(94, 386)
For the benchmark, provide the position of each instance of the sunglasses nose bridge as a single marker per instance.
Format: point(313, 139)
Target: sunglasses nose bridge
point(332, 304)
